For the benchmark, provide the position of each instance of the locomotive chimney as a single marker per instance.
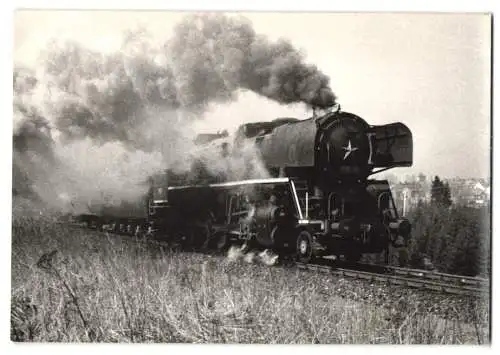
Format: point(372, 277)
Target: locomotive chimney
point(320, 111)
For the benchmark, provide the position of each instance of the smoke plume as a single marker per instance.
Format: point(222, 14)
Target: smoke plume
point(89, 124)
point(227, 55)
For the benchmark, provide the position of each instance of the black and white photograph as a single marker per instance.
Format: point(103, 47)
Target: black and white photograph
point(251, 177)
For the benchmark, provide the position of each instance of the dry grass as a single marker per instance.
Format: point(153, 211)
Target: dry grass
point(109, 289)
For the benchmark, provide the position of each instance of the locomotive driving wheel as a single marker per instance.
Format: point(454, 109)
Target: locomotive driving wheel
point(304, 247)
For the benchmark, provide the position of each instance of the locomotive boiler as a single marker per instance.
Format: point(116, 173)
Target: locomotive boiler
point(316, 199)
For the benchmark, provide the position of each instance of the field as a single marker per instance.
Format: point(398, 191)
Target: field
point(73, 285)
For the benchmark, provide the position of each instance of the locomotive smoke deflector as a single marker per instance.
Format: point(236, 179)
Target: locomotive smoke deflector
point(392, 146)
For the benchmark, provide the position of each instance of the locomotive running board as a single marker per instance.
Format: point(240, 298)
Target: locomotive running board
point(235, 183)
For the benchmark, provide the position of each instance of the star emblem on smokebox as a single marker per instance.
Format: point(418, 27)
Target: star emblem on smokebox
point(349, 149)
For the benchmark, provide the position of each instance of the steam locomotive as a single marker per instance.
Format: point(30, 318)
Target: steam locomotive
point(317, 198)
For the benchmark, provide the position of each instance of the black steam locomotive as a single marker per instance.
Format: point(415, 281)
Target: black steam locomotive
point(317, 198)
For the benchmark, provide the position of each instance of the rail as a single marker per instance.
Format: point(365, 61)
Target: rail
point(442, 277)
point(414, 279)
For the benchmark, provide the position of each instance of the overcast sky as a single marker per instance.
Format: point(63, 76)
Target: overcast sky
point(429, 71)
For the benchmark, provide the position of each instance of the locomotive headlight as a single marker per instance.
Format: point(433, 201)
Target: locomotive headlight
point(401, 227)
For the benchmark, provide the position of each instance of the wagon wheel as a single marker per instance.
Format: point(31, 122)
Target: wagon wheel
point(221, 241)
point(204, 233)
point(189, 241)
point(304, 247)
point(179, 240)
point(201, 235)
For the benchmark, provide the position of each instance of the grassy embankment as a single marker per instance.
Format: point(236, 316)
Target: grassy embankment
point(109, 289)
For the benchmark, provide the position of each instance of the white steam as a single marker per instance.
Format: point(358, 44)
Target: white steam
point(89, 125)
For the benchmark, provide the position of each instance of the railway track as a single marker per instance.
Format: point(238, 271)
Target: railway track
point(412, 278)
point(476, 282)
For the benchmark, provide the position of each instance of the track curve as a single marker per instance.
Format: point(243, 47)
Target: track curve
point(411, 278)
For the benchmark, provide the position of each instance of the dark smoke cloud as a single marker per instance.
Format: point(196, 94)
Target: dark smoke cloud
point(216, 53)
point(111, 97)
point(106, 97)
point(133, 108)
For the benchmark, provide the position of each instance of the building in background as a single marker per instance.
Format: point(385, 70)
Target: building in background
point(414, 189)
point(470, 192)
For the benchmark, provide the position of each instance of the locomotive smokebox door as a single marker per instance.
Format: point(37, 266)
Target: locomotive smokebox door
point(344, 147)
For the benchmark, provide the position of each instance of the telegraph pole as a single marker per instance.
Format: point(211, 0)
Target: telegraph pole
point(405, 195)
